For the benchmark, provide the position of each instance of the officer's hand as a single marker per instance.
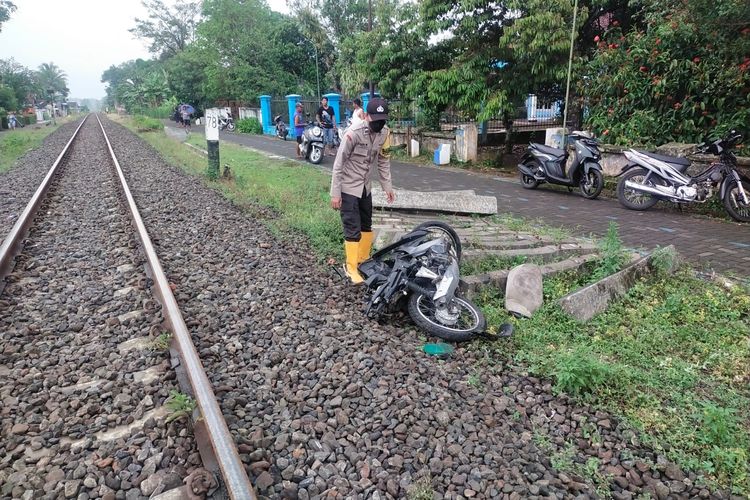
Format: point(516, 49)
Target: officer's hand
point(390, 196)
point(335, 203)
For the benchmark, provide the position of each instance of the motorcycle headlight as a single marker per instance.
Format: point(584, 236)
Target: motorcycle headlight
point(316, 131)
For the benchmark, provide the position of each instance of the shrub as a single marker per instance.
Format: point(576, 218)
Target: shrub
point(250, 126)
point(579, 371)
point(145, 123)
point(614, 256)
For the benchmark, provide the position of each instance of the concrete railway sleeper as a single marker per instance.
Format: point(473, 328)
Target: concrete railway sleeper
point(91, 406)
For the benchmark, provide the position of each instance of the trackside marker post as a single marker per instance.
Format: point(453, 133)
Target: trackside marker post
point(212, 142)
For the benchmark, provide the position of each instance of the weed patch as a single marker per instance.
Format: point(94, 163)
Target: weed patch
point(179, 405)
point(145, 124)
point(15, 143)
point(669, 359)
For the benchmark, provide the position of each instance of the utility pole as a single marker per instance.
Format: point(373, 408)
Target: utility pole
point(369, 28)
point(317, 71)
point(570, 67)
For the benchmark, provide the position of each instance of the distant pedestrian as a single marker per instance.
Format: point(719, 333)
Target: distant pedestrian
point(358, 115)
point(185, 117)
point(299, 125)
point(327, 120)
point(12, 121)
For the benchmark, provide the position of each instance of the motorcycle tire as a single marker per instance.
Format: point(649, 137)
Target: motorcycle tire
point(648, 200)
point(316, 155)
point(231, 126)
point(528, 182)
point(420, 305)
point(733, 201)
point(444, 230)
point(597, 179)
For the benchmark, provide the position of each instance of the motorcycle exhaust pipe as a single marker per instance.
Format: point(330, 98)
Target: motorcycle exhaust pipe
point(668, 192)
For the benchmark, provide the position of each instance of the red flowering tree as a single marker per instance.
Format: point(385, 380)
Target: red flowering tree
point(681, 74)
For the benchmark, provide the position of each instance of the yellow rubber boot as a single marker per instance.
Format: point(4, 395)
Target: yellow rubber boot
point(350, 268)
point(365, 245)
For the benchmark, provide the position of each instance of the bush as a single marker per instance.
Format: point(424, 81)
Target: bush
point(579, 372)
point(250, 126)
point(145, 123)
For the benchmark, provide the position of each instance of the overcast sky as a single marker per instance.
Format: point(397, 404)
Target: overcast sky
point(83, 37)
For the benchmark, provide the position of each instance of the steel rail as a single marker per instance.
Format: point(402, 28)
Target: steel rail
point(236, 480)
point(14, 240)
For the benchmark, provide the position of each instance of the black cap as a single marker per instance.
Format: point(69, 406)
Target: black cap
point(377, 109)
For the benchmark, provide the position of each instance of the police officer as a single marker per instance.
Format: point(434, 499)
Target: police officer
point(360, 154)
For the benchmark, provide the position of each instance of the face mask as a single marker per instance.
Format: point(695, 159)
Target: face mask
point(376, 126)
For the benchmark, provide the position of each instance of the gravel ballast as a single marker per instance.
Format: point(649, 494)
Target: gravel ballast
point(324, 403)
point(77, 294)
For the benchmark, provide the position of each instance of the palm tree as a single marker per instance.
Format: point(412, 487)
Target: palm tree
point(51, 82)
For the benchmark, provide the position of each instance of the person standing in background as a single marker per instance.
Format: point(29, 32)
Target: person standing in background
point(327, 119)
point(299, 125)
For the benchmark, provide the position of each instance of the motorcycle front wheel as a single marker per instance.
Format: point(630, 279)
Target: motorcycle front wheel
point(462, 323)
point(316, 155)
point(231, 126)
point(635, 200)
point(591, 184)
point(733, 201)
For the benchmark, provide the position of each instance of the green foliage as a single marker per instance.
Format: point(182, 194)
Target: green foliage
point(613, 257)
point(490, 263)
point(179, 405)
point(651, 360)
point(167, 29)
point(6, 8)
point(250, 126)
point(161, 343)
point(682, 74)
point(421, 490)
point(579, 372)
point(14, 145)
point(145, 123)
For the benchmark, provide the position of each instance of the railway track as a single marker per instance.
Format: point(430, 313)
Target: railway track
point(91, 388)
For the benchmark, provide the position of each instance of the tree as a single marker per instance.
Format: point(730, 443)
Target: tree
point(19, 79)
point(51, 82)
point(681, 74)
point(167, 30)
point(6, 9)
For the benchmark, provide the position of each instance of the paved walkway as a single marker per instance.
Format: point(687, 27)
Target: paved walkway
point(710, 243)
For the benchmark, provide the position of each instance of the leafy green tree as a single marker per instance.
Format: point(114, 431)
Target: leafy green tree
point(8, 101)
point(51, 82)
point(19, 78)
point(168, 30)
point(682, 74)
point(6, 9)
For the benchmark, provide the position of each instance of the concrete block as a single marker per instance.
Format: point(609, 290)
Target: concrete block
point(587, 302)
point(437, 201)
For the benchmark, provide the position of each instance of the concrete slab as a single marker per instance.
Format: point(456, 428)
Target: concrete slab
point(587, 302)
point(438, 201)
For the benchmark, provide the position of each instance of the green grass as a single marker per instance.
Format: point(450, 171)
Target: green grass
point(296, 193)
point(487, 263)
point(15, 143)
point(671, 360)
point(145, 123)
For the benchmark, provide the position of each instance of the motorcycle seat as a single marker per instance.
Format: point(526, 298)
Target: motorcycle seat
point(681, 164)
point(559, 153)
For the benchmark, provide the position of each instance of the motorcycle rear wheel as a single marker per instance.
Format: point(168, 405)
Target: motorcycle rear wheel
point(470, 321)
point(733, 201)
point(631, 199)
point(443, 230)
point(528, 182)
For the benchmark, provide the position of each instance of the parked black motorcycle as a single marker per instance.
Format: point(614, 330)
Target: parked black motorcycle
point(311, 146)
point(649, 178)
point(421, 269)
point(281, 131)
point(226, 121)
point(542, 163)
